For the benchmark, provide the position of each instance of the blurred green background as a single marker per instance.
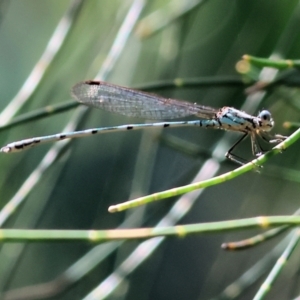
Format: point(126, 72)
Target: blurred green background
point(93, 173)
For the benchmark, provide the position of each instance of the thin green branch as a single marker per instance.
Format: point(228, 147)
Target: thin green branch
point(252, 275)
point(255, 240)
point(205, 81)
point(290, 125)
point(210, 182)
point(98, 236)
point(266, 286)
point(277, 64)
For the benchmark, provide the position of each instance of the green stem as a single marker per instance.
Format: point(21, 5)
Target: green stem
point(209, 182)
point(263, 222)
point(277, 64)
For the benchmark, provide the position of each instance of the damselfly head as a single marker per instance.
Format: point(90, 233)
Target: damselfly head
point(266, 122)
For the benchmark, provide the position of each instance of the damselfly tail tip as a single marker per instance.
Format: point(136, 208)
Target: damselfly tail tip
point(5, 149)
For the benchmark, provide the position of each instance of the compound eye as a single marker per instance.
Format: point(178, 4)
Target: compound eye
point(265, 115)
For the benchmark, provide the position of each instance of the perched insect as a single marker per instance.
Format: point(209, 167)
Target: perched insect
point(135, 103)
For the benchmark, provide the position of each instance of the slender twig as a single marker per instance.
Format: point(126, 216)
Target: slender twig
point(266, 286)
point(277, 64)
point(98, 236)
point(255, 240)
point(210, 182)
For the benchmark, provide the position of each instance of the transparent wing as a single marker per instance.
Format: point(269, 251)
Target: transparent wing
point(134, 103)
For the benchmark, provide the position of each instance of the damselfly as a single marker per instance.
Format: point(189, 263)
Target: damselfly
point(135, 103)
